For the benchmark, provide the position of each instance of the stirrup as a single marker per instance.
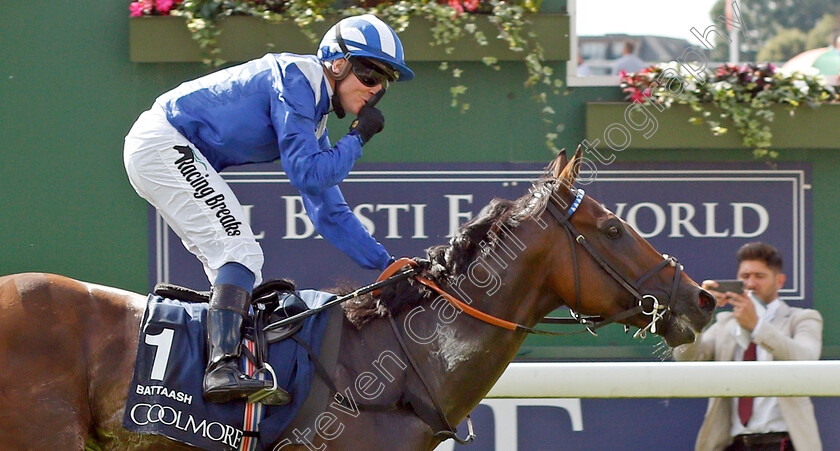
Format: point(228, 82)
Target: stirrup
point(274, 396)
point(230, 390)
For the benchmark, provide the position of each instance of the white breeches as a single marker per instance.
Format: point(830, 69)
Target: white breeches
point(169, 172)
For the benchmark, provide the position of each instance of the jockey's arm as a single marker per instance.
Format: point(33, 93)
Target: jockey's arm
point(311, 168)
point(311, 164)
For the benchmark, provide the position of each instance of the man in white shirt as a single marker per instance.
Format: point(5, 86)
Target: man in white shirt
point(629, 62)
point(751, 332)
point(583, 69)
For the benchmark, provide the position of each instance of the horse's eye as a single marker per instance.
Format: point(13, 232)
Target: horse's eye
point(613, 232)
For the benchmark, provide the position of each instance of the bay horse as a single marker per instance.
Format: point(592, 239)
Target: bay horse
point(67, 348)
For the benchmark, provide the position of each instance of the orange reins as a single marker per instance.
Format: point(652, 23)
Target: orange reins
point(463, 306)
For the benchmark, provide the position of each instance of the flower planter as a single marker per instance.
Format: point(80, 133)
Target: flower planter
point(166, 39)
point(809, 128)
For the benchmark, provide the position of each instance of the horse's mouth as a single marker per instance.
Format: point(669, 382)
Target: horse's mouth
point(682, 325)
point(674, 328)
point(677, 331)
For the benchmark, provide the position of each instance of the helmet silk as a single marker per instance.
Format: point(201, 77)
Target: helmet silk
point(365, 36)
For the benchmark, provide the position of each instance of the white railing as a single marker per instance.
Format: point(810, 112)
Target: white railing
point(562, 385)
point(668, 379)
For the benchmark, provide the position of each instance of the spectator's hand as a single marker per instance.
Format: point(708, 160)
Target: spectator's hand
point(710, 285)
point(369, 122)
point(743, 310)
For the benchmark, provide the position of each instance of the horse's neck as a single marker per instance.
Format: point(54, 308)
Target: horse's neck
point(469, 355)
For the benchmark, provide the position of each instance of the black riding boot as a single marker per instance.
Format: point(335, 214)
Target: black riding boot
point(223, 381)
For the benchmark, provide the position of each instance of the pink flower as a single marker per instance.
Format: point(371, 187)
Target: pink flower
point(471, 5)
point(165, 5)
point(456, 5)
point(136, 9)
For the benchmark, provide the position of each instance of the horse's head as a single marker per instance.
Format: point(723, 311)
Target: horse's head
point(605, 268)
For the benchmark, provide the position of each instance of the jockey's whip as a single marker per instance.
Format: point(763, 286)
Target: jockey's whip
point(411, 272)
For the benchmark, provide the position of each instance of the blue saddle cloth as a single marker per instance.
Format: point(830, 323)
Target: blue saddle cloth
point(165, 395)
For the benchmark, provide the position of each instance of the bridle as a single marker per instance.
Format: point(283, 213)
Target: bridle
point(646, 304)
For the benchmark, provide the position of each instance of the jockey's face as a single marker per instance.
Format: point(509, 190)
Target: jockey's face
point(352, 93)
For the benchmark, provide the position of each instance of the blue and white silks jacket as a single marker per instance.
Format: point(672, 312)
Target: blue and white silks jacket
point(271, 108)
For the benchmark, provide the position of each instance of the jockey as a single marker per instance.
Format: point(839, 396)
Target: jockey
point(274, 107)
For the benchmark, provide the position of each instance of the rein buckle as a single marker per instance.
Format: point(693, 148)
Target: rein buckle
point(585, 322)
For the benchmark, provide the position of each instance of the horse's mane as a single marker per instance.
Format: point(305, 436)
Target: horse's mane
point(445, 262)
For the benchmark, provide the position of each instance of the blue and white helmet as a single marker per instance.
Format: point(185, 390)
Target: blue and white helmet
point(365, 36)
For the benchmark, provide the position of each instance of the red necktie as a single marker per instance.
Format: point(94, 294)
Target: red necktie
point(745, 405)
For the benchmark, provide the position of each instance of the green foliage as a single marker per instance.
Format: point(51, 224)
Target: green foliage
point(766, 19)
point(743, 95)
point(821, 34)
point(784, 46)
point(790, 42)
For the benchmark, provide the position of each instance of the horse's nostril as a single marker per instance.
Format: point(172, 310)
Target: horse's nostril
point(706, 301)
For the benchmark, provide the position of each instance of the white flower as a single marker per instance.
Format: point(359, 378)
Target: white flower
point(690, 85)
point(720, 86)
point(812, 71)
point(801, 86)
point(670, 65)
point(685, 72)
point(786, 72)
point(196, 24)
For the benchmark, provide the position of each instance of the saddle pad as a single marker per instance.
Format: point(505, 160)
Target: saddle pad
point(165, 396)
point(320, 394)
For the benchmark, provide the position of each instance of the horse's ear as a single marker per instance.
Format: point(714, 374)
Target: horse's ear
point(571, 170)
point(557, 164)
point(576, 160)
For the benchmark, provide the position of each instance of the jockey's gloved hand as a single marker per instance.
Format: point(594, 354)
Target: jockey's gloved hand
point(422, 262)
point(369, 122)
point(432, 266)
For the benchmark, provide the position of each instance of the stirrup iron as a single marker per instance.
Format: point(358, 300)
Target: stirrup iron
point(274, 396)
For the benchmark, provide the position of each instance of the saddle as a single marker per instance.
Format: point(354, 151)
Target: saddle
point(272, 301)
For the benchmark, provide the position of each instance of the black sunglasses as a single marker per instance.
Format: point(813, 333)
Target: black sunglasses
point(371, 74)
